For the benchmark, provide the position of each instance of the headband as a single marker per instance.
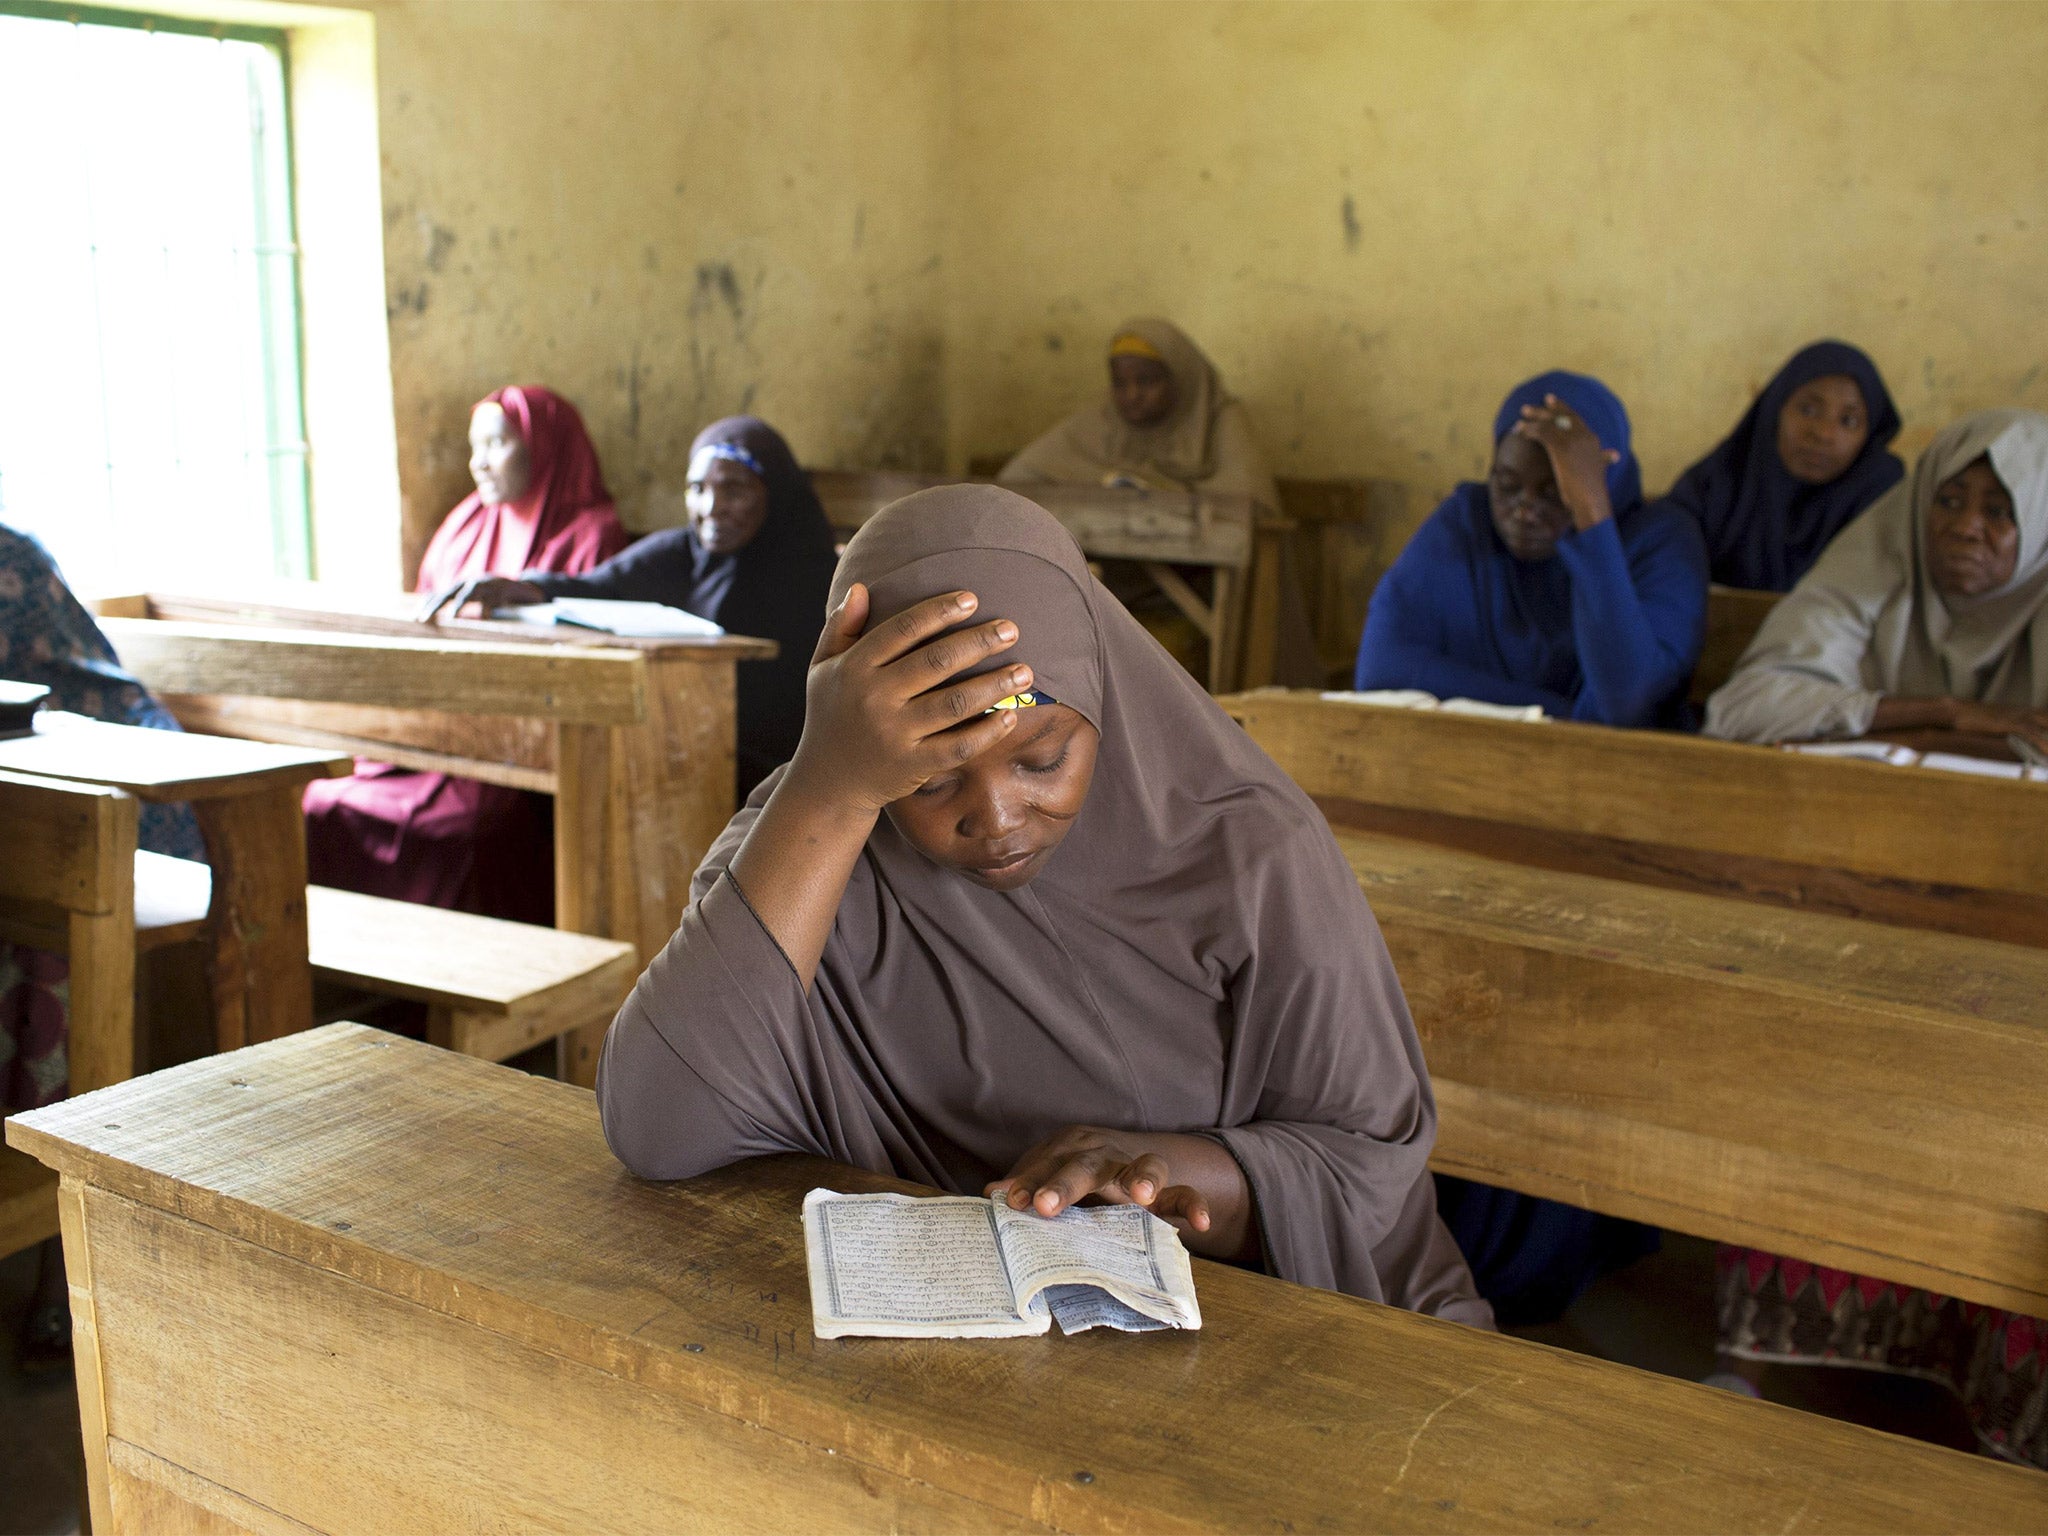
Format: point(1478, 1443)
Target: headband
point(732, 451)
point(1129, 345)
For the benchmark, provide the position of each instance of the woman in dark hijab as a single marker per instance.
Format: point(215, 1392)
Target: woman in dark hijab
point(1808, 455)
point(755, 558)
point(1549, 583)
point(898, 956)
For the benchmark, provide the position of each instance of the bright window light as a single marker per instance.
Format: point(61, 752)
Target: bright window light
point(151, 422)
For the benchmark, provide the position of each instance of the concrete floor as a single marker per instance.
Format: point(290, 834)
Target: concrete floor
point(1657, 1314)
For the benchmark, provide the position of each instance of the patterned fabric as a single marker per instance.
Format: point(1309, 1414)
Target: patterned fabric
point(48, 637)
point(1996, 1362)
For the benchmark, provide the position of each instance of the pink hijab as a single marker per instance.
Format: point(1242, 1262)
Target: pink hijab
point(564, 523)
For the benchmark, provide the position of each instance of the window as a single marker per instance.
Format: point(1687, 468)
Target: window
point(151, 420)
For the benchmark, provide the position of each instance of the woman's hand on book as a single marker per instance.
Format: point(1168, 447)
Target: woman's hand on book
point(487, 592)
point(1210, 1205)
point(885, 709)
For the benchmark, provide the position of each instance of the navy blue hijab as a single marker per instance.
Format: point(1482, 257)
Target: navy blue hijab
point(1763, 528)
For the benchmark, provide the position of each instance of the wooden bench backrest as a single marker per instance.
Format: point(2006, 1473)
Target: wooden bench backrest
point(1910, 846)
point(1734, 615)
point(1347, 532)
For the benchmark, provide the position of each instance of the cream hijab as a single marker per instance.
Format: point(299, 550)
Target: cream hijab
point(1867, 620)
point(1205, 443)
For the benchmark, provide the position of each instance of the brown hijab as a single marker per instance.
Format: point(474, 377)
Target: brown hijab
point(1204, 444)
point(1196, 957)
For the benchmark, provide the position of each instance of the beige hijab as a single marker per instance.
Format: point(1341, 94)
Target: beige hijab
point(1868, 621)
point(1205, 444)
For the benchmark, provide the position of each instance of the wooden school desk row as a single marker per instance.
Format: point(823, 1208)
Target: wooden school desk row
point(1748, 994)
point(294, 1316)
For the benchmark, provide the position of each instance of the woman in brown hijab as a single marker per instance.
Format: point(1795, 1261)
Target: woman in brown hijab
point(1168, 424)
point(1028, 911)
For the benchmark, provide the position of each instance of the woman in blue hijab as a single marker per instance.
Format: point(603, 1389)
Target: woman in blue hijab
point(1550, 583)
point(1808, 455)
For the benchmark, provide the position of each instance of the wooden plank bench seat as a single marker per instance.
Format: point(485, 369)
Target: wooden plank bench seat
point(342, 1282)
point(492, 988)
point(1814, 1085)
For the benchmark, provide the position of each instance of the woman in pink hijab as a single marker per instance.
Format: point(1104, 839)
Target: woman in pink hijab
point(540, 504)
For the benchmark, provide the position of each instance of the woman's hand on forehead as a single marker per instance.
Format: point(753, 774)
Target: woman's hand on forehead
point(885, 706)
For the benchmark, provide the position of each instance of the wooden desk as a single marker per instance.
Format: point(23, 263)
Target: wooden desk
point(1811, 1085)
point(1912, 846)
point(1159, 530)
point(633, 738)
point(246, 796)
point(292, 1314)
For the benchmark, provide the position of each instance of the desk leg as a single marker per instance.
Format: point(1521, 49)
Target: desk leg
point(636, 809)
point(262, 980)
point(1260, 634)
point(85, 1352)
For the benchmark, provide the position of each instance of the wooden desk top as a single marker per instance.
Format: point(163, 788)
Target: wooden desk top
point(162, 765)
point(485, 1195)
point(309, 605)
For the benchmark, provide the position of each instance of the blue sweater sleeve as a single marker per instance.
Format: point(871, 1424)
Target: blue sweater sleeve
point(656, 569)
point(1408, 640)
point(1639, 614)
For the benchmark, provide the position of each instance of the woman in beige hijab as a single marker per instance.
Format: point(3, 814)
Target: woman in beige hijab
point(1168, 424)
point(1928, 612)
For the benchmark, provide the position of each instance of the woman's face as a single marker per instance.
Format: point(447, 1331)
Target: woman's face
point(727, 503)
point(1822, 428)
point(1973, 538)
point(498, 460)
point(997, 817)
point(1528, 513)
point(1143, 390)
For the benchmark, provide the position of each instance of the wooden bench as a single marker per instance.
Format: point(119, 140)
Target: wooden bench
point(1912, 846)
point(1157, 529)
point(67, 883)
point(633, 738)
point(347, 1282)
point(1812, 1085)
point(492, 988)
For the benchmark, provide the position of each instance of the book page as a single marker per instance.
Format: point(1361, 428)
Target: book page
point(614, 616)
point(1123, 1249)
point(1077, 1308)
point(901, 1267)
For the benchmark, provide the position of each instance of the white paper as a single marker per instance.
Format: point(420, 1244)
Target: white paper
point(958, 1267)
point(1861, 751)
point(900, 1267)
point(1415, 698)
point(1949, 762)
point(640, 621)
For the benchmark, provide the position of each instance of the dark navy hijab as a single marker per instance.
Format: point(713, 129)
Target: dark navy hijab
point(1764, 528)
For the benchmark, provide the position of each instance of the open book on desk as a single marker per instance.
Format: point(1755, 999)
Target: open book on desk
point(611, 616)
point(963, 1267)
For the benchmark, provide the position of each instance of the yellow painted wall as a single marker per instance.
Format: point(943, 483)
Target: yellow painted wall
point(668, 212)
point(1378, 217)
point(902, 229)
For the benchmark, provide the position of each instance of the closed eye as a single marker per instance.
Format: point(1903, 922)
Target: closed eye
point(1052, 767)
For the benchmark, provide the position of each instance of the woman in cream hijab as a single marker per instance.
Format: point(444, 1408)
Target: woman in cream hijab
point(1927, 612)
point(1168, 424)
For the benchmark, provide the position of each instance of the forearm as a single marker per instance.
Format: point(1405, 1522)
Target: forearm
point(794, 866)
point(1896, 713)
point(1629, 664)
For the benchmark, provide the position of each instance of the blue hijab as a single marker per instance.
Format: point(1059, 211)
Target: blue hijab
point(1763, 528)
point(1525, 606)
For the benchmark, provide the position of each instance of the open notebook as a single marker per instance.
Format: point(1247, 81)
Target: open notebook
point(964, 1267)
point(641, 621)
